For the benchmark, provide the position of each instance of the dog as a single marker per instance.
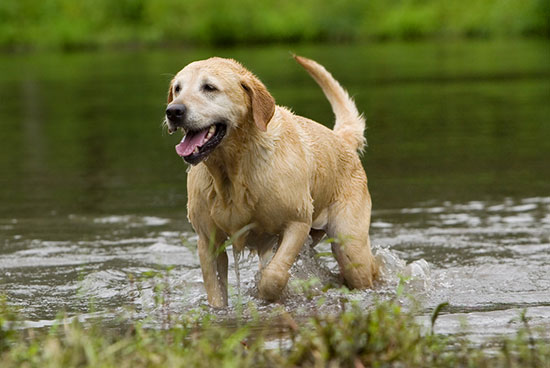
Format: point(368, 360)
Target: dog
point(266, 178)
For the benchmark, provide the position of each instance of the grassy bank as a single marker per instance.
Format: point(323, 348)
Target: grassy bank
point(385, 336)
point(92, 23)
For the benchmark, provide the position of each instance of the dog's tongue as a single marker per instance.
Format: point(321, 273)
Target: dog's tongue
point(191, 141)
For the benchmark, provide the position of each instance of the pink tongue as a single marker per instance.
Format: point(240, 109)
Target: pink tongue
point(190, 142)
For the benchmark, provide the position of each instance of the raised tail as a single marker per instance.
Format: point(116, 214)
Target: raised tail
point(350, 124)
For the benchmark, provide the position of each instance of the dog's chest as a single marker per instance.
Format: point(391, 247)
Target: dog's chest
point(232, 212)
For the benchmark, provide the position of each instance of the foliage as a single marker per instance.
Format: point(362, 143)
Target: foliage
point(386, 336)
point(8, 320)
point(85, 23)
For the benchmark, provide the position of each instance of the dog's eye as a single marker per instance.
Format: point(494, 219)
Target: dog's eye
point(177, 89)
point(207, 87)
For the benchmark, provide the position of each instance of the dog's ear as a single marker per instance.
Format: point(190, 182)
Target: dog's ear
point(170, 93)
point(263, 104)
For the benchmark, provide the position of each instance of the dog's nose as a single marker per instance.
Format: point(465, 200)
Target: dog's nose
point(176, 112)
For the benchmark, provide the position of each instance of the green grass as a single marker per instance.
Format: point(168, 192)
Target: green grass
point(94, 23)
point(385, 336)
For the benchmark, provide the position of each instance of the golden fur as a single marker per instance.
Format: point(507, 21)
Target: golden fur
point(277, 175)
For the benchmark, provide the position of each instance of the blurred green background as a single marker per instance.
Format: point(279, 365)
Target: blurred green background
point(91, 23)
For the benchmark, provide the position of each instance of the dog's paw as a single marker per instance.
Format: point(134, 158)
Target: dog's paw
point(272, 284)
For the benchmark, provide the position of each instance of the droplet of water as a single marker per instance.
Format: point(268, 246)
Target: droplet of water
point(419, 276)
point(390, 265)
point(237, 257)
point(392, 268)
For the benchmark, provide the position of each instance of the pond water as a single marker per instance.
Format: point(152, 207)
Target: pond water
point(93, 195)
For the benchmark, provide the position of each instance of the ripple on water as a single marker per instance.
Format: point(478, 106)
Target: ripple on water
point(132, 220)
point(487, 259)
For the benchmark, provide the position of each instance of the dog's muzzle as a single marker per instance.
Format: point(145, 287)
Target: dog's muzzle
point(175, 115)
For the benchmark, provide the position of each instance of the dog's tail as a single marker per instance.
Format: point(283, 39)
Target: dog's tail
point(350, 124)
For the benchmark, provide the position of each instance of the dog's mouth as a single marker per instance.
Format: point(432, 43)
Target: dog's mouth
point(196, 145)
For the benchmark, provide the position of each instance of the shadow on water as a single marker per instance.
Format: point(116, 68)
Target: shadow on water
point(92, 191)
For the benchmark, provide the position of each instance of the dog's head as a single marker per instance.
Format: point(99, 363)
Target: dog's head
point(211, 99)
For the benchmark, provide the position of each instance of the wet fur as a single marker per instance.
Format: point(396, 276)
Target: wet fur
point(279, 175)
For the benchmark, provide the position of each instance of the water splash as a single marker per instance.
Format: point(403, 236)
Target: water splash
point(237, 254)
point(415, 275)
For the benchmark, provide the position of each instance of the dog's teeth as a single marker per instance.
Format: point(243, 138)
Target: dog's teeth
point(211, 132)
point(196, 150)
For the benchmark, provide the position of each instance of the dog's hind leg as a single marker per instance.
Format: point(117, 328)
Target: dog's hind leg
point(275, 276)
point(349, 228)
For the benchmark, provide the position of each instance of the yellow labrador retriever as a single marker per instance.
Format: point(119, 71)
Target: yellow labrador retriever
point(266, 178)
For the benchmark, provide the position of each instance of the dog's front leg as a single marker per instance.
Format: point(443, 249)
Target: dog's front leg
point(275, 275)
point(213, 261)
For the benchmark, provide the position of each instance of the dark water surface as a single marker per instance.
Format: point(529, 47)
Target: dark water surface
point(92, 191)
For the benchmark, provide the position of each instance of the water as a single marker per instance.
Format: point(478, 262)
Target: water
point(93, 197)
